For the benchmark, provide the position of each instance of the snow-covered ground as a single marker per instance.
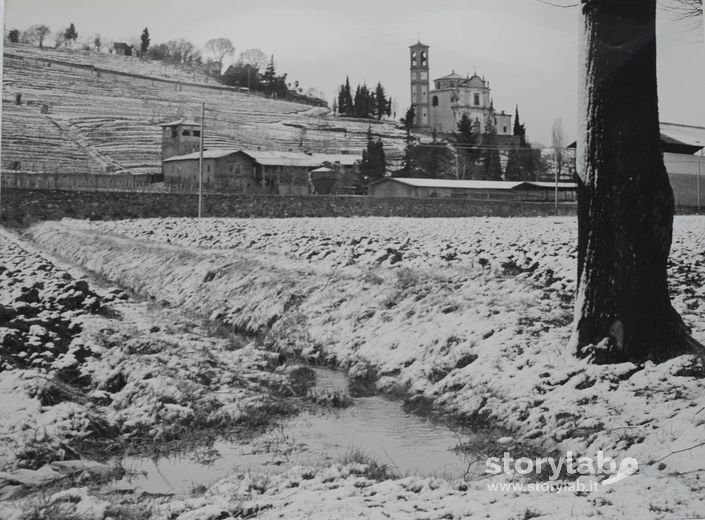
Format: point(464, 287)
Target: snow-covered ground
point(87, 371)
point(468, 316)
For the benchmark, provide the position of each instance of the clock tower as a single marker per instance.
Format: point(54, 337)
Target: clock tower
point(420, 84)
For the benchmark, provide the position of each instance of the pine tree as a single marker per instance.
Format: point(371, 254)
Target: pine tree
point(269, 77)
point(144, 42)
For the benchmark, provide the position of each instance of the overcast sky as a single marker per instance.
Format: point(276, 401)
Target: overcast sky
point(527, 50)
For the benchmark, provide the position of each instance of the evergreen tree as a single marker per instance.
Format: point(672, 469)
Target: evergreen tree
point(381, 107)
point(348, 97)
point(274, 85)
point(467, 140)
point(144, 42)
point(408, 121)
point(523, 162)
point(342, 101)
point(70, 35)
point(374, 163)
point(491, 164)
point(519, 129)
point(269, 77)
point(14, 36)
point(357, 102)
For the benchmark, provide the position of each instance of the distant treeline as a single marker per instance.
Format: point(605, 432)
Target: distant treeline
point(253, 70)
point(366, 103)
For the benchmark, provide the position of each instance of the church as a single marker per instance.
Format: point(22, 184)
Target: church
point(453, 95)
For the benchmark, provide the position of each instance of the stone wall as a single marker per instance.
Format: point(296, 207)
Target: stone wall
point(24, 206)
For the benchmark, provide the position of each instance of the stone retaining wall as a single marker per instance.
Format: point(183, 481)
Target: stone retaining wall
point(26, 205)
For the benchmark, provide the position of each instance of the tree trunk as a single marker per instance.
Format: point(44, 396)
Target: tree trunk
point(625, 202)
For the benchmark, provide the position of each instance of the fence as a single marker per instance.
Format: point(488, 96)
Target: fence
point(77, 182)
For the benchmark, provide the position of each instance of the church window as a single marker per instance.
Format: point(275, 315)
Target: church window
point(504, 129)
point(435, 101)
point(477, 100)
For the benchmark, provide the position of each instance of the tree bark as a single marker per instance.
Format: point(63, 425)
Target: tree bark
point(625, 202)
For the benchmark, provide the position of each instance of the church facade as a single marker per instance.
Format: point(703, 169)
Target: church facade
point(440, 108)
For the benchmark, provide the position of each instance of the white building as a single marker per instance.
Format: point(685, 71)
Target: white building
point(453, 95)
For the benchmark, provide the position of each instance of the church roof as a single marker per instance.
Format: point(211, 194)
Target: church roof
point(476, 81)
point(419, 44)
point(452, 75)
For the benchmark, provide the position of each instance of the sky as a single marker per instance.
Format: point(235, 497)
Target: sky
point(526, 49)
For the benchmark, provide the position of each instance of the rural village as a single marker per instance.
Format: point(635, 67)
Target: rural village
point(225, 294)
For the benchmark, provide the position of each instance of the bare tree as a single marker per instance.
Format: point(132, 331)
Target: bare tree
point(684, 8)
point(182, 52)
point(558, 143)
point(219, 48)
point(254, 57)
point(625, 201)
point(36, 35)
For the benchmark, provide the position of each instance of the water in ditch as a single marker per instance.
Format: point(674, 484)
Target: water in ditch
point(376, 426)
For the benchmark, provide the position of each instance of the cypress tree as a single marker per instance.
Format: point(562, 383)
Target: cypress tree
point(381, 106)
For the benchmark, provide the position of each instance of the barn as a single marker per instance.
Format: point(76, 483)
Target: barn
point(392, 187)
point(258, 171)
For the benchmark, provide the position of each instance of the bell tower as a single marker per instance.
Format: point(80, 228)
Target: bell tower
point(420, 84)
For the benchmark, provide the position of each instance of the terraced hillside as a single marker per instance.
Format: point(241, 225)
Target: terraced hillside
point(83, 111)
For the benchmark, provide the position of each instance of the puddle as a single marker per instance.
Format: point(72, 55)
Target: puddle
point(375, 425)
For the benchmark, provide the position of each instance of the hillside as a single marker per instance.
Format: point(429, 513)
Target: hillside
point(83, 112)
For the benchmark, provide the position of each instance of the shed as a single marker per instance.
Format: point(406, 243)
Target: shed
point(470, 189)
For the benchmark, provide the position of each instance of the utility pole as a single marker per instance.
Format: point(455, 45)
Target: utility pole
point(200, 163)
point(555, 190)
point(700, 171)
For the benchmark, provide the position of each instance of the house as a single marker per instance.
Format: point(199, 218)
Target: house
point(242, 75)
point(392, 187)
point(684, 156)
point(122, 49)
point(258, 171)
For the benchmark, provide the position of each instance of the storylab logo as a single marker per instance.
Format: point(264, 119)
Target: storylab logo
point(563, 473)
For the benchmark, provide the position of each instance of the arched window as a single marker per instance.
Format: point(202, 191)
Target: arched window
point(434, 102)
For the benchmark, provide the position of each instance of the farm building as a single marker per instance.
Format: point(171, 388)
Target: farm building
point(180, 137)
point(122, 49)
point(280, 173)
point(470, 189)
point(684, 155)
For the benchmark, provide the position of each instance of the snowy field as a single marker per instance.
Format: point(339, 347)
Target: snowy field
point(466, 317)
